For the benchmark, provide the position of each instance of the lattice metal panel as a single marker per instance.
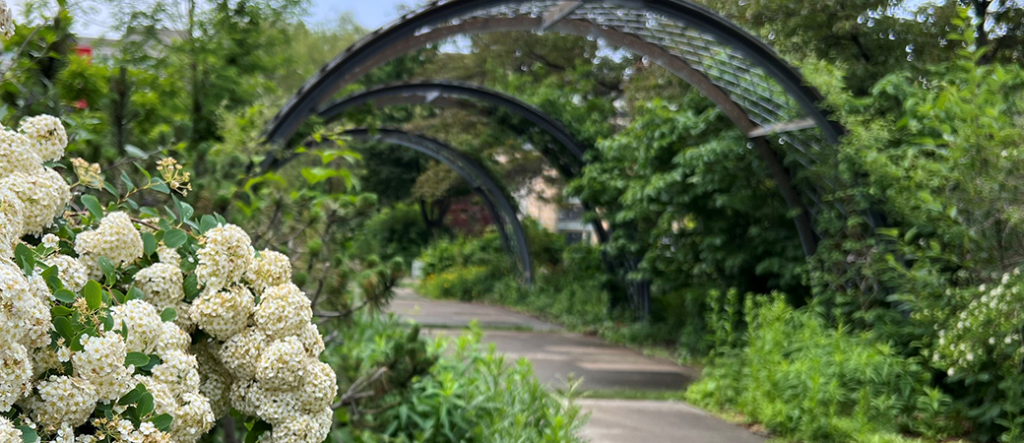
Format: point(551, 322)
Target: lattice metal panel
point(765, 102)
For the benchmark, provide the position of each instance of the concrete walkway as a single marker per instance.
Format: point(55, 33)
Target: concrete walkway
point(556, 354)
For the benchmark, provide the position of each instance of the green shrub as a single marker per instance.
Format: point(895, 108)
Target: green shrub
point(465, 283)
point(475, 394)
point(809, 381)
point(977, 349)
point(397, 231)
point(472, 394)
point(447, 254)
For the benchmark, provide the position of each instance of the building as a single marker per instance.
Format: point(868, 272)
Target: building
point(544, 202)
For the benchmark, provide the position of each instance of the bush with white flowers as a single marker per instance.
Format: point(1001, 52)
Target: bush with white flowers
point(981, 338)
point(124, 325)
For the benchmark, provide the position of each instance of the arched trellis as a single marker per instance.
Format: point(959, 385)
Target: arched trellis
point(566, 157)
point(754, 87)
point(568, 160)
point(502, 210)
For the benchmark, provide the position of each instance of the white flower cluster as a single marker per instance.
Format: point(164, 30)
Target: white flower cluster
point(42, 192)
point(271, 268)
point(260, 354)
point(6, 31)
point(46, 135)
point(262, 359)
point(225, 257)
point(8, 433)
point(25, 320)
point(987, 331)
point(72, 273)
point(116, 239)
point(100, 374)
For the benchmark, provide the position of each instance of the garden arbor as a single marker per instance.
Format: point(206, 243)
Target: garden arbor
point(480, 179)
point(764, 97)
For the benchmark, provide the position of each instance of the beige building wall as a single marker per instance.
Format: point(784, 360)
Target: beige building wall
point(539, 200)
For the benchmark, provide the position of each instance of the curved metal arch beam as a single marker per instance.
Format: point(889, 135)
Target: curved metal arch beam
point(445, 93)
point(501, 208)
point(337, 74)
point(379, 45)
point(429, 92)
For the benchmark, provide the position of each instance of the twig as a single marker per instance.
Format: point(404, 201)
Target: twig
point(320, 287)
point(335, 314)
point(273, 221)
point(128, 159)
point(353, 392)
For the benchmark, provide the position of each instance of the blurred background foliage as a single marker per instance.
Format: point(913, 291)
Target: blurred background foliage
point(871, 340)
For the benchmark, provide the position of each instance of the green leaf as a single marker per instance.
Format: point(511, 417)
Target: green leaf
point(137, 359)
point(319, 174)
point(133, 396)
point(888, 232)
point(28, 435)
point(63, 327)
point(159, 186)
point(168, 314)
point(134, 151)
point(174, 238)
point(93, 205)
point(108, 269)
point(64, 296)
point(146, 210)
point(127, 181)
point(52, 277)
point(76, 343)
point(108, 321)
point(186, 210)
point(191, 287)
point(111, 189)
point(49, 272)
point(145, 405)
point(117, 295)
point(26, 258)
point(207, 223)
point(153, 361)
point(258, 429)
point(143, 171)
point(135, 294)
point(163, 422)
point(61, 311)
point(93, 293)
point(148, 243)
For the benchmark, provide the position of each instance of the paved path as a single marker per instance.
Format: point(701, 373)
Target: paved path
point(556, 354)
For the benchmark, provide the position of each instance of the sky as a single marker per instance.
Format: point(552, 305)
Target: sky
point(371, 14)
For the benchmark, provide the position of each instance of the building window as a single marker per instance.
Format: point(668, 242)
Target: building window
point(573, 237)
point(570, 214)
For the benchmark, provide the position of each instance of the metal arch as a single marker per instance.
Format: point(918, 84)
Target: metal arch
point(442, 93)
point(502, 210)
point(408, 33)
point(332, 76)
point(429, 92)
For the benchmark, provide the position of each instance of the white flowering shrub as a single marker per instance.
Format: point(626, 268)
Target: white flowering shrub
point(125, 325)
point(988, 330)
point(973, 335)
